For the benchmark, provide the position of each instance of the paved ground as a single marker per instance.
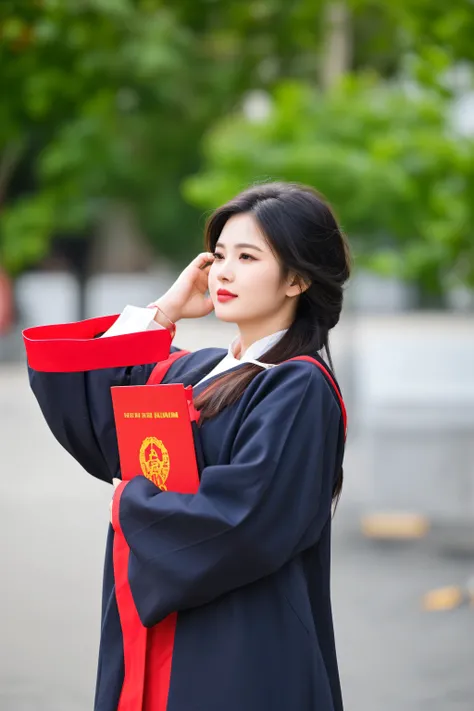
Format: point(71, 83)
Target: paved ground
point(53, 520)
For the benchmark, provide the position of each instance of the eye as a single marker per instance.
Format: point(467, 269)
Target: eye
point(217, 256)
point(247, 257)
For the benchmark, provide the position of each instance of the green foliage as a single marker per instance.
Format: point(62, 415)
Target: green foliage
point(434, 23)
point(107, 101)
point(97, 98)
point(384, 32)
point(385, 157)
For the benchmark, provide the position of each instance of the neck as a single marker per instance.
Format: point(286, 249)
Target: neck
point(251, 333)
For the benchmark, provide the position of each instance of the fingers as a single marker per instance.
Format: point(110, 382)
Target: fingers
point(203, 260)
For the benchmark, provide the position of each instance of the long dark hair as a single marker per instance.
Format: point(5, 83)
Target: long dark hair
point(303, 233)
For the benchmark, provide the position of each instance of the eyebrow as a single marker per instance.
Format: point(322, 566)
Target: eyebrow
point(241, 245)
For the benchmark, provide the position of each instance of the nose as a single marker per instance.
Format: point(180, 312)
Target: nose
point(225, 272)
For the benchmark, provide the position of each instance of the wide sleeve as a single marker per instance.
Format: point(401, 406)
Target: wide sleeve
point(249, 517)
point(67, 366)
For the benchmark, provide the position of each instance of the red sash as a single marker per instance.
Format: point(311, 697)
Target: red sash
point(148, 652)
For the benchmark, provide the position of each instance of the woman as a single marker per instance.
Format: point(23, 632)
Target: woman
point(245, 562)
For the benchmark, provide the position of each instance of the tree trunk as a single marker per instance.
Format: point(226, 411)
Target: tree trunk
point(336, 56)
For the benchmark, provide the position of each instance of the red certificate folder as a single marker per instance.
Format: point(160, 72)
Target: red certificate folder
point(155, 436)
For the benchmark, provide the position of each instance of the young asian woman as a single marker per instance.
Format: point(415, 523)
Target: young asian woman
point(245, 561)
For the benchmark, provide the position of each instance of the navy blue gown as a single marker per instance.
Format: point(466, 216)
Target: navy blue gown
point(245, 562)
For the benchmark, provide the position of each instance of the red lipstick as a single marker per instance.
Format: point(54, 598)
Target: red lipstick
point(223, 295)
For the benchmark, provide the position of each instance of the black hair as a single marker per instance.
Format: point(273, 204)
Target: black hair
point(303, 233)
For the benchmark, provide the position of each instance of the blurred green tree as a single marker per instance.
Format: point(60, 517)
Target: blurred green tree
point(384, 32)
point(98, 97)
point(105, 101)
point(384, 154)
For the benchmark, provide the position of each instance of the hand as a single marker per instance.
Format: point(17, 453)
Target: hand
point(115, 482)
point(187, 297)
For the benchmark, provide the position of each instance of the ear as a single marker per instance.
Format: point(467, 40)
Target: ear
point(296, 285)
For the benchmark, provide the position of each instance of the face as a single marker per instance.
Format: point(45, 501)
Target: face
point(246, 267)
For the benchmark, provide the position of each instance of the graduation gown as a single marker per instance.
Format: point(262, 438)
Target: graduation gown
point(244, 562)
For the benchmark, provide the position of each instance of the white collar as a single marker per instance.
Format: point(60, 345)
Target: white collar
point(257, 349)
point(254, 351)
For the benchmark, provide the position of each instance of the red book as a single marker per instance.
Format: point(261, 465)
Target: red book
point(155, 436)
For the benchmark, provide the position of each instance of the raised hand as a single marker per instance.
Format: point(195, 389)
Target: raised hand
point(187, 297)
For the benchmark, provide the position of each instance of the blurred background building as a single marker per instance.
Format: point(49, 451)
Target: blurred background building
point(123, 123)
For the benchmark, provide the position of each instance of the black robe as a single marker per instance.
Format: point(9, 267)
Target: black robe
point(245, 562)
